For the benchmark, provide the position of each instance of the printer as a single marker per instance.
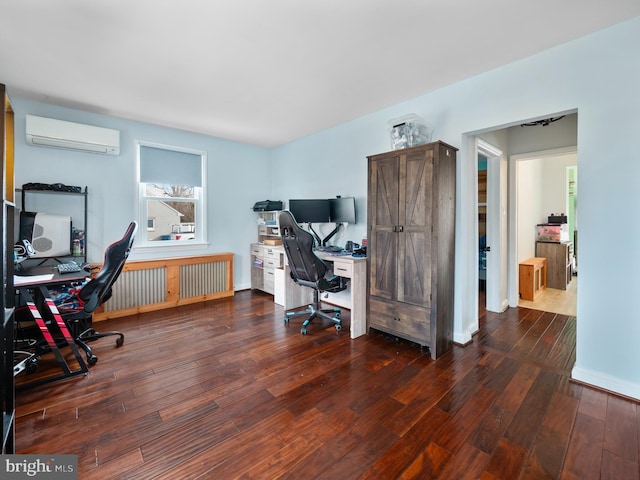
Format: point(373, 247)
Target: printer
point(267, 206)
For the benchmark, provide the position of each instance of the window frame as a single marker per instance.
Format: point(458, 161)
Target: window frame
point(200, 194)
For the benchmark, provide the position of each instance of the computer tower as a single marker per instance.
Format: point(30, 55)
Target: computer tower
point(50, 235)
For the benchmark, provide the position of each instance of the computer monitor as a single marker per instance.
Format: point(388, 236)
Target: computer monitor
point(50, 235)
point(342, 210)
point(310, 211)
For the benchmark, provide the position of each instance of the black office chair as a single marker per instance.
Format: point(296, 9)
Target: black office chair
point(308, 270)
point(96, 292)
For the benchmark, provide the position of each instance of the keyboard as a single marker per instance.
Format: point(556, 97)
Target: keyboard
point(330, 249)
point(70, 267)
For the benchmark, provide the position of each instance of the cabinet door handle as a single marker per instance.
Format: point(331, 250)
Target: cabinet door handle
point(397, 319)
point(400, 228)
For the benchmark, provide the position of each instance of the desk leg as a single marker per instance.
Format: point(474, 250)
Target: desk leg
point(359, 299)
point(63, 328)
point(51, 342)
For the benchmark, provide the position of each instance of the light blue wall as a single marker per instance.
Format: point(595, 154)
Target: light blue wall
point(238, 176)
point(599, 77)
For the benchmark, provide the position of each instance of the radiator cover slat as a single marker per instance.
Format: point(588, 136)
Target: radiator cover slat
point(135, 288)
point(202, 279)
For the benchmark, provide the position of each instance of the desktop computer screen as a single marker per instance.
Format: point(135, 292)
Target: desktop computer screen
point(50, 235)
point(342, 210)
point(310, 211)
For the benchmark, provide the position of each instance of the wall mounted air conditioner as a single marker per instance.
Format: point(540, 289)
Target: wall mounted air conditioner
point(49, 132)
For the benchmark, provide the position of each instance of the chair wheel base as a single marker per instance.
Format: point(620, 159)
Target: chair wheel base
point(312, 312)
point(32, 366)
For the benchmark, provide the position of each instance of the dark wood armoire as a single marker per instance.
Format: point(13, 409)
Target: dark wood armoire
point(411, 237)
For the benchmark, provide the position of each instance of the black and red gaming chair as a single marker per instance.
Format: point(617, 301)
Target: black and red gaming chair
point(308, 270)
point(97, 291)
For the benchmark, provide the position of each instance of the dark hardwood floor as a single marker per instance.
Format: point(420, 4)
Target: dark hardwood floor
point(226, 390)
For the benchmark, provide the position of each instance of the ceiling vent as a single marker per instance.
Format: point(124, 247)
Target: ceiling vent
point(49, 132)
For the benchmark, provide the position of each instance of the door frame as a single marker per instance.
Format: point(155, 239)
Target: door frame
point(497, 178)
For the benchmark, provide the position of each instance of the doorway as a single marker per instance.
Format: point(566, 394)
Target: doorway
point(515, 139)
point(544, 185)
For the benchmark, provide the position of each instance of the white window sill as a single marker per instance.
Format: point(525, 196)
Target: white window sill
point(166, 246)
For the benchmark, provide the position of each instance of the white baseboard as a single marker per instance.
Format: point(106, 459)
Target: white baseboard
point(465, 337)
point(606, 382)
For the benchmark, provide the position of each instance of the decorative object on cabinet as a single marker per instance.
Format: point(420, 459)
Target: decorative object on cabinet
point(559, 262)
point(408, 131)
point(552, 232)
point(411, 235)
point(7, 219)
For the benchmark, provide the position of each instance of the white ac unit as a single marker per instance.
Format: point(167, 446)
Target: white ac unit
point(49, 132)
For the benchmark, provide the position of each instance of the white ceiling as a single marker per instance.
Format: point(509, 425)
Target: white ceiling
point(266, 72)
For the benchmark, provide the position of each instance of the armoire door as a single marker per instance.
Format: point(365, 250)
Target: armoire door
point(383, 221)
point(414, 235)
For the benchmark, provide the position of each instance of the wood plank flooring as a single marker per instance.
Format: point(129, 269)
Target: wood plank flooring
point(226, 390)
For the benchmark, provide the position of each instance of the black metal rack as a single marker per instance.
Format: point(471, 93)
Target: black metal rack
point(46, 191)
point(7, 384)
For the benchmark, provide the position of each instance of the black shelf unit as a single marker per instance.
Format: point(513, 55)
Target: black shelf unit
point(7, 336)
point(7, 220)
point(83, 193)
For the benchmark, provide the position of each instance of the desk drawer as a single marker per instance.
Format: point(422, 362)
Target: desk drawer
point(269, 280)
point(257, 250)
point(271, 262)
point(273, 255)
point(343, 269)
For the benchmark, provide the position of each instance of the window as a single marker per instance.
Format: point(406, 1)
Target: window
point(171, 195)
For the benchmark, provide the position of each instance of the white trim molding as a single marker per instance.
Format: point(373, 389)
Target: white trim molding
point(606, 382)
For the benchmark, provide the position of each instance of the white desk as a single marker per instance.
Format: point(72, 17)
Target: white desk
point(291, 295)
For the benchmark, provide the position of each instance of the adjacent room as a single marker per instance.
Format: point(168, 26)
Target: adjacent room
point(284, 240)
point(543, 187)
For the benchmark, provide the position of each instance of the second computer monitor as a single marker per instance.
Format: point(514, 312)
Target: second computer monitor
point(342, 210)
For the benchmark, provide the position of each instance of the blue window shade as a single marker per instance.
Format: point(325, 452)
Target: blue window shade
point(158, 165)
